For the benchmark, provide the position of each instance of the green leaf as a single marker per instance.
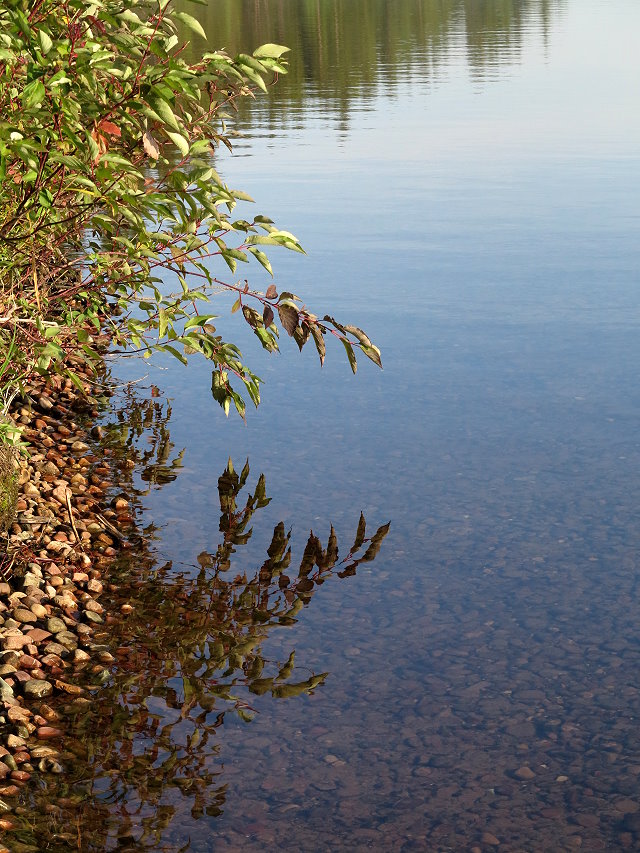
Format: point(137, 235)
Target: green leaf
point(190, 22)
point(350, 355)
point(372, 353)
point(51, 331)
point(262, 259)
point(33, 95)
point(163, 322)
point(45, 42)
point(270, 51)
point(179, 141)
point(165, 113)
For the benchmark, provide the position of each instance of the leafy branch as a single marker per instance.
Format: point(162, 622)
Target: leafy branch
point(113, 218)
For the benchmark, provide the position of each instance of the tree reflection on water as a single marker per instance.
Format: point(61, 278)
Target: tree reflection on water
point(187, 652)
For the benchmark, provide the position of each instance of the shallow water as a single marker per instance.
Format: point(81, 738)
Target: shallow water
point(465, 178)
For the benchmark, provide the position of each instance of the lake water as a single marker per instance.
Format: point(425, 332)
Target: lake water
point(465, 179)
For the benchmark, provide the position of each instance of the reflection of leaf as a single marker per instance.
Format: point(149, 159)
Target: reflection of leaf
point(261, 685)
point(278, 542)
point(287, 669)
point(362, 526)
point(286, 691)
point(376, 541)
point(332, 548)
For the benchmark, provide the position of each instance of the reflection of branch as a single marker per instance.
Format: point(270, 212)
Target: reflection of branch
point(189, 652)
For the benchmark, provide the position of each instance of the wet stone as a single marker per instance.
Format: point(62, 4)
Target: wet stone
point(6, 691)
point(627, 806)
point(525, 773)
point(46, 732)
point(37, 688)
point(55, 649)
point(44, 752)
point(54, 625)
point(68, 640)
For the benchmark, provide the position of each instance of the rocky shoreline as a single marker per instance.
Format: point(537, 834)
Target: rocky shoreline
point(67, 530)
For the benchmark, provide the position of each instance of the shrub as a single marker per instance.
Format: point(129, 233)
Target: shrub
point(113, 217)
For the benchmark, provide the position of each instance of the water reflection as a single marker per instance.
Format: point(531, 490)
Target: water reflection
point(187, 650)
point(345, 52)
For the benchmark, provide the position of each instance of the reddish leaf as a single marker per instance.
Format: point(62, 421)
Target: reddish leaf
point(267, 316)
point(272, 293)
point(110, 128)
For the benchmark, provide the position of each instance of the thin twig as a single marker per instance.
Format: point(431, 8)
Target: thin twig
point(73, 524)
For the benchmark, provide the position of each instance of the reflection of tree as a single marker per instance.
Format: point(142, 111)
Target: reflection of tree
point(342, 50)
point(141, 428)
point(143, 753)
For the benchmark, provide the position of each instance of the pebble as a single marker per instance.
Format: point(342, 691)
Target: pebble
point(41, 607)
point(525, 773)
point(23, 615)
point(46, 732)
point(54, 625)
point(37, 689)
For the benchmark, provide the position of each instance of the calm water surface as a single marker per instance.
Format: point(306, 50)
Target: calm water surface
point(465, 178)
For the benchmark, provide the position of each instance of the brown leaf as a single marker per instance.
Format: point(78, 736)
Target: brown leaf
point(267, 316)
point(272, 293)
point(150, 146)
point(251, 316)
point(288, 317)
point(301, 335)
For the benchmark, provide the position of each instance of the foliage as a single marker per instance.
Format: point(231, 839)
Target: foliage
point(112, 214)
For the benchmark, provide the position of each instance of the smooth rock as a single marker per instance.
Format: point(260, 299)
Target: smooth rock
point(36, 688)
point(46, 732)
point(525, 773)
point(54, 625)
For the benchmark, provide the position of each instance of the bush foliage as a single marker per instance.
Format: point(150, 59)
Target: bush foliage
point(113, 218)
